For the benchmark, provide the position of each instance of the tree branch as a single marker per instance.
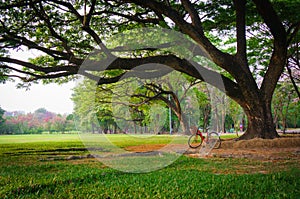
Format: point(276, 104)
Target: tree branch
point(240, 7)
point(271, 19)
point(19, 71)
point(43, 15)
point(46, 70)
point(292, 32)
point(136, 17)
point(196, 21)
point(19, 4)
point(70, 7)
point(182, 65)
point(224, 60)
point(293, 81)
point(279, 56)
point(59, 55)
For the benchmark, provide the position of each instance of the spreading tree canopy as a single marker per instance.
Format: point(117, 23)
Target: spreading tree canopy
point(63, 33)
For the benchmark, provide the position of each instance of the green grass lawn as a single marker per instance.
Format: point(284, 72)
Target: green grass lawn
point(36, 166)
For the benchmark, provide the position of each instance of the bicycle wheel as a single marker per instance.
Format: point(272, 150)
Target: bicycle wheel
point(195, 141)
point(214, 140)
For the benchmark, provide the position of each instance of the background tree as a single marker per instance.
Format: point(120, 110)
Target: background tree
point(294, 114)
point(293, 64)
point(84, 106)
point(70, 123)
point(237, 115)
point(65, 32)
point(204, 106)
point(38, 122)
point(2, 120)
point(175, 92)
point(285, 106)
point(58, 123)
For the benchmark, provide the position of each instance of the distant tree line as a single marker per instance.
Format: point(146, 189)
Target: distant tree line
point(39, 121)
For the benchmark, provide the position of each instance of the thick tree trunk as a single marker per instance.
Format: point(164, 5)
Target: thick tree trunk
point(183, 123)
point(260, 120)
point(185, 126)
point(176, 107)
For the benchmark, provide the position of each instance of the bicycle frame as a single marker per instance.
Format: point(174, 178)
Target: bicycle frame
point(194, 141)
point(201, 134)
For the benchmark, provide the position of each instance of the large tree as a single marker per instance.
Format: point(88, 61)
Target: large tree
point(64, 32)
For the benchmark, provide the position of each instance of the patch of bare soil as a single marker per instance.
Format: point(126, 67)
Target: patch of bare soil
point(285, 148)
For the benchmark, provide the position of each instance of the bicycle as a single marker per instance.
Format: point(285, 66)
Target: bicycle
point(211, 138)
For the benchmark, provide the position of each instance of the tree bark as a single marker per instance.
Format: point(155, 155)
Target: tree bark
point(184, 125)
point(260, 119)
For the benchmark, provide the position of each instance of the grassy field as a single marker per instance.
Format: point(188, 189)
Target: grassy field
point(37, 166)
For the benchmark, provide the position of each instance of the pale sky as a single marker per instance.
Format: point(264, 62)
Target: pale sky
point(55, 98)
